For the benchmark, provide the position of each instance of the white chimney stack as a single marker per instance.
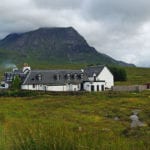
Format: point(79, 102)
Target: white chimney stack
point(15, 69)
point(82, 70)
point(26, 68)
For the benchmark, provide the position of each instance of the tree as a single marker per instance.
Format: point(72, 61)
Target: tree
point(16, 83)
point(119, 73)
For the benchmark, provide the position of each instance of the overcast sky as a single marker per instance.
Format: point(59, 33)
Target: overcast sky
point(119, 28)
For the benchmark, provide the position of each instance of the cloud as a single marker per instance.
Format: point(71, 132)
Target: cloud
point(118, 28)
point(58, 4)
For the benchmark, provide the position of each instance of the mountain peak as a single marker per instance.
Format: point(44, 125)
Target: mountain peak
point(53, 28)
point(54, 45)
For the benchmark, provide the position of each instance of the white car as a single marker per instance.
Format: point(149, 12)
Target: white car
point(4, 85)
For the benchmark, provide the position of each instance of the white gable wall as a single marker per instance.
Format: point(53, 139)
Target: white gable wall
point(107, 76)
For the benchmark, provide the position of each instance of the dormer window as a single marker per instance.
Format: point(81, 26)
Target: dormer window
point(72, 76)
point(57, 76)
point(68, 76)
point(39, 77)
point(9, 77)
point(65, 76)
point(75, 76)
point(82, 75)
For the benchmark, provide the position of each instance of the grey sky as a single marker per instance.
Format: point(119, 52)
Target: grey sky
point(118, 28)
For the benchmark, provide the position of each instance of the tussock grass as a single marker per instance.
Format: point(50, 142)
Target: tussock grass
point(58, 136)
point(74, 122)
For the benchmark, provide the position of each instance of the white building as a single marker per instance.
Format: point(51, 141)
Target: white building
point(54, 80)
point(96, 78)
point(99, 78)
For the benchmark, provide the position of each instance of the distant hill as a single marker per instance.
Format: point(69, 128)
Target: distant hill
point(52, 46)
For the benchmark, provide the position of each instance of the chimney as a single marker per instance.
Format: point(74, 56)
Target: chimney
point(15, 69)
point(26, 68)
point(82, 70)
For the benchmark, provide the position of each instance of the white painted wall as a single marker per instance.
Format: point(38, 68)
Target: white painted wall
point(56, 88)
point(107, 76)
point(72, 87)
point(51, 88)
point(87, 86)
point(91, 78)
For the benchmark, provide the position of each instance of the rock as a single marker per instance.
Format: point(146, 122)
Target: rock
point(80, 128)
point(135, 121)
point(136, 111)
point(116, 118)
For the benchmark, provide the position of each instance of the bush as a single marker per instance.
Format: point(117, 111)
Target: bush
point(16, 83)
point(119, 73)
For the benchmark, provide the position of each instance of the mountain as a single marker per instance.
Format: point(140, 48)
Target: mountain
point(53, 46)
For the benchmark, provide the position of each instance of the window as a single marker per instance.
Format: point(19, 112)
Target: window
point(102, 87)
point(81, 76)
point(92, 88)
point(39, 77)
point(97, 87)
point(75, 76)
point(68, 76)
point(33, 85)
point(57, 77)
point(72, 76)
point(65, 76)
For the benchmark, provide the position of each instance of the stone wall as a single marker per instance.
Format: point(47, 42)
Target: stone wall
point(132, 88)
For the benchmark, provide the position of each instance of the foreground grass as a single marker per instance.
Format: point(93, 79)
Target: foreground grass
point(74, 122)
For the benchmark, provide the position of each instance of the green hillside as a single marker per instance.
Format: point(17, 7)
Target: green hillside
point(136, 75)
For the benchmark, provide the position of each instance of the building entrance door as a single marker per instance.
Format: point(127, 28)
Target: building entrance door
point(92, 87)
point(102, 87)
point(97, 87)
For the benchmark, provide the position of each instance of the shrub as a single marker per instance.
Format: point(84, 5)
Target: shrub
point(119, 73)
point(16, 83)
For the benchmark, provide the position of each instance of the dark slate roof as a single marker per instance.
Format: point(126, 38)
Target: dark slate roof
point(49, 77)
point(9, 76)
point(93, 69)
point(17, 71)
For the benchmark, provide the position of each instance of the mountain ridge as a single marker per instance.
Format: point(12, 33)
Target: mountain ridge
point(53, 45)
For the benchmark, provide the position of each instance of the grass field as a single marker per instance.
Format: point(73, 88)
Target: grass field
point(84, 121)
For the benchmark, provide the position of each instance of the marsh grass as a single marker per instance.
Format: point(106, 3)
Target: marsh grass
point(74, 122)
point(56, 136)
